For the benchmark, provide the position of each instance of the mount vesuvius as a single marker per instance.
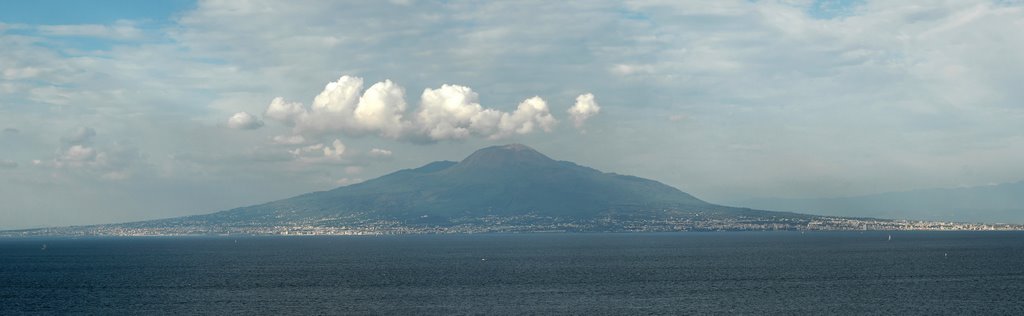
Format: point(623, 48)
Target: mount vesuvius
point(499, 181)
point(509, 188)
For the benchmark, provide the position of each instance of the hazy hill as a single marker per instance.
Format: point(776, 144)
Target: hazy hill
point(992, 203)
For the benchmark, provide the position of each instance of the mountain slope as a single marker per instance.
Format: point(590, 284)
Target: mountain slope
point(993, 203)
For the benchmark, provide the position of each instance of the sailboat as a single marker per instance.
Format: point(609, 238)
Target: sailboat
point(890, 237)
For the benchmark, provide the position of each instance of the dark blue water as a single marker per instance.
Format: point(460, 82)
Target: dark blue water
point(751, 273)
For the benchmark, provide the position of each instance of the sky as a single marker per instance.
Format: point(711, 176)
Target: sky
point(116, 111)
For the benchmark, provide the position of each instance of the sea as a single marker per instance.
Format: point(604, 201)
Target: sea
point(810, 273)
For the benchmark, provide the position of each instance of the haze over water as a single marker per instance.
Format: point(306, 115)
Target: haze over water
point(672, 273)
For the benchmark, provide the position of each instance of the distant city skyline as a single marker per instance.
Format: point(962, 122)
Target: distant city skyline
point(114, 111)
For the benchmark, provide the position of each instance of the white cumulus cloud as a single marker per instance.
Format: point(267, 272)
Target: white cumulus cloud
point(454, 112)
point(284, 112)
point(339, 96)
point(380, 109)
point(344, 107)
point(584, 108)
point(244, 120)
point(451, 112)
point(531, 114)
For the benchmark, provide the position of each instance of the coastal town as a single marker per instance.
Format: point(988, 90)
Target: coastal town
point(510, 224)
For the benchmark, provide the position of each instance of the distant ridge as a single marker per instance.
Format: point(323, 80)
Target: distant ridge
point(990, 203)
